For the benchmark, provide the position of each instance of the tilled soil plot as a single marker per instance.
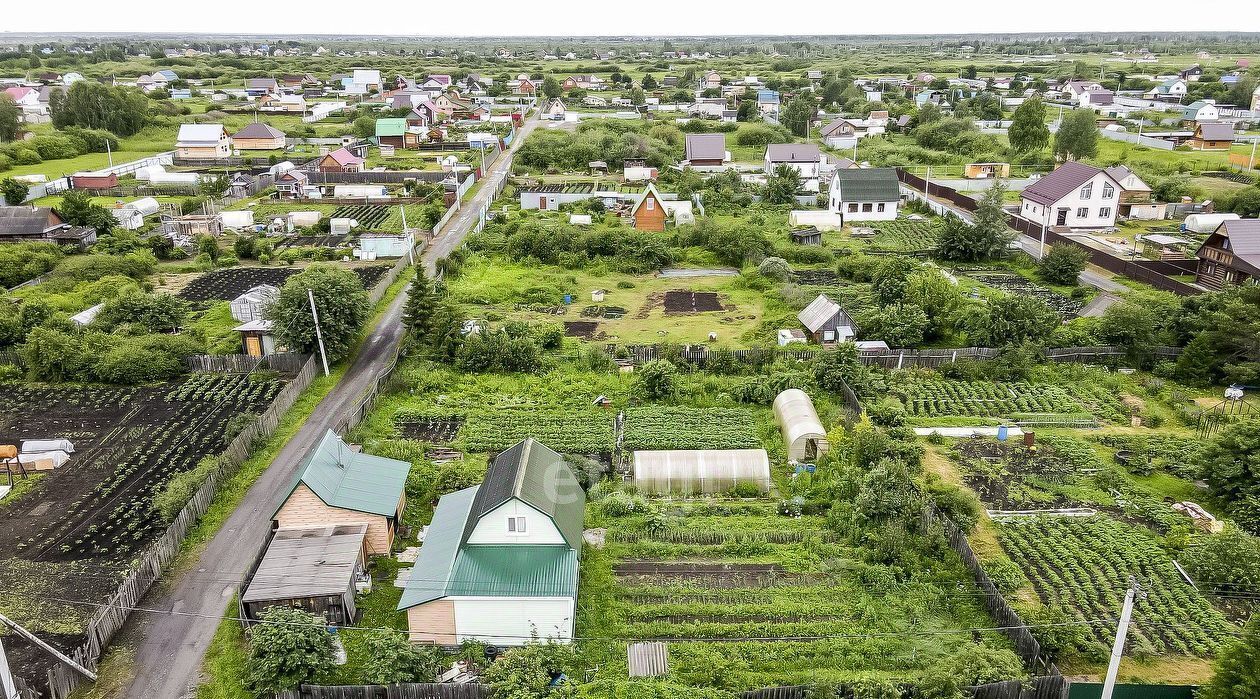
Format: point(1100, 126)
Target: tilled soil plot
point(691, 302)
point(435, 430)
point(585, 329)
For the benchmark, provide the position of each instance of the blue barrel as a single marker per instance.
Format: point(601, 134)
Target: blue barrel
point(568, 299)
point(1003, 430)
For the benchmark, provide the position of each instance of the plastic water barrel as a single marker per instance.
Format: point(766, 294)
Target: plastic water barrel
point(1003, 432)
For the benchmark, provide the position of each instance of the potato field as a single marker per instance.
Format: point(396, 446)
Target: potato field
point(943, 397)
point(670, 427)
point(1082, 566)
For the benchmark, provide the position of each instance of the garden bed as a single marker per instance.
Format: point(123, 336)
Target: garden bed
point(368, 216)
point(692, 302)
point(227, 284)
point(1019, 286)
point(584, 329)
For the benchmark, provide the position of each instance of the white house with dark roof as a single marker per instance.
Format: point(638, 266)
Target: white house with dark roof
point(203, 142)
point(869, 194)
point(806, 158)
point(1074, 195)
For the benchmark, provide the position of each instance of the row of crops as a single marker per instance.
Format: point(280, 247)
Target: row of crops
point(369, 216)
point(904, 235)
point(942, 397)
point(1082, 566)
point(591, 431)
point(1020, 286)
point(709, 580)
point(671, 427)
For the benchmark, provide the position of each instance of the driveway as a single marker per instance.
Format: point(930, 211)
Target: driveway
point(171, 645)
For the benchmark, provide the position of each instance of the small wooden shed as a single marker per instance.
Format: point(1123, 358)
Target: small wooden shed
point(313, 569)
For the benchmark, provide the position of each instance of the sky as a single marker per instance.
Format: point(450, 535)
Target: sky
point(639, 17)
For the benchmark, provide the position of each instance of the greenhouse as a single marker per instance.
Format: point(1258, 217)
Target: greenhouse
point(802, 430)
point(691, 471)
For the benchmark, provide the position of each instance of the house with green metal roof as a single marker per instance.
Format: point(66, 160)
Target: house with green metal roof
point(865, 194)
point(391, 132)
point(338, 484)
point(499, 563)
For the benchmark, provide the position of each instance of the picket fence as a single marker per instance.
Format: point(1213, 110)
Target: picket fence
point(113, 614)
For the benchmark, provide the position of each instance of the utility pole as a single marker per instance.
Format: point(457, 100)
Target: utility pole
point(318, 334)
point(37, 641)
point(1041, 254)
point(1117, 649)
point(411, 243)
point(8, 688)
point(1251, 164)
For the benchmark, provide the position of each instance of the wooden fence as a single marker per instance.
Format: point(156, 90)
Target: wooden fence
point(111, 616)
point(1013, 626)
point(702, 356)
point(392, 691)
point(289, 363)
point(1112, 263)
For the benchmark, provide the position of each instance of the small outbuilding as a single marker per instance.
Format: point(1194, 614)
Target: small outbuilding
point(340, 485)
point(249, 305)
point(798, 421)
point(695, 471)
point(826, 322)
point(809, 235)
point(314, 569)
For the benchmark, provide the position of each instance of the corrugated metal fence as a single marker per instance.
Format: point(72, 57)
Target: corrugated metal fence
point(1118, 265)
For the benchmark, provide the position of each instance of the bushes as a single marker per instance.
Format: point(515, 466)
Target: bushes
point(58, 355)
point(182, 486)
point(20, 262)
point(1063, 264)
point(762, 135)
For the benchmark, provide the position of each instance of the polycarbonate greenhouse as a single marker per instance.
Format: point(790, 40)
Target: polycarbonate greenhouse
point(802, 430)
point(688, 472)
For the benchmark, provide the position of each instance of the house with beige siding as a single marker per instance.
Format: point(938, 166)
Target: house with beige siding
point(499, 564)
point(338, 484)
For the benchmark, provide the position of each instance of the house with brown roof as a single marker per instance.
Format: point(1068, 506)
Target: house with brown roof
point(454, 107)
point(1212, 135)
point(19, 224)
point(258, 136)
point(340, 160)
point(1136, 196)
point(705, 149)
point(1230, 255)
point(1075, 195)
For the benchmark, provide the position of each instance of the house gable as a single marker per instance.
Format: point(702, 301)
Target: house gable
point(493, 527)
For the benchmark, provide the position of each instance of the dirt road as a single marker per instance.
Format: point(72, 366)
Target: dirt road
point(171, 645)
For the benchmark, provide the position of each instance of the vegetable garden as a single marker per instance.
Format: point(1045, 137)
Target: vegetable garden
point(369, 216)
point(717, 572)
point(1019, 286)
point(671, 427)
point(904, 235)
point(1082, 566)
point(72, 535)
point(227, 284)
point(930, 397)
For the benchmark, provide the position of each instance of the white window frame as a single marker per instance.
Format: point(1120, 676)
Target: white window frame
point(1087, 191)
point(1082, 212)
point(516, 525)
point(1105, 212)
point(853, 207)
point(651, 204)
point(1108, 192)
point(880, 207)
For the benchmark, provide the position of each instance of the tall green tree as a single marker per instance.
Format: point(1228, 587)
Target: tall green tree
point(421, 304)
point(93, 105)
point(1028, 132)
point(986, 238)
point(340, 301)
point(288, 648)
point(1077, 136)
point(798, 114)
point(551, 87)
point(1232, 467)
point(1237, 670)
point(13, 191)
point(10, 118)
point(78, 209)
point(782, 185)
